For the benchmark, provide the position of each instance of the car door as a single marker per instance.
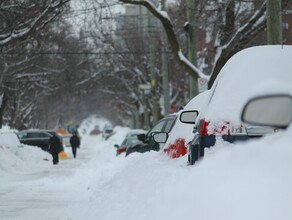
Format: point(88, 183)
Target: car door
point(164, 125)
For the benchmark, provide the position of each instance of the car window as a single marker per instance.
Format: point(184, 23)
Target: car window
point(22, 135)
point(130, 141)
point(37, 135)
point(168, 125)
point(44, 135)
point(158, 127)
point(31, 135)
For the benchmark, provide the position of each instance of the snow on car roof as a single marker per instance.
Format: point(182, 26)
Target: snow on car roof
point(244, 73)
point(134, 132)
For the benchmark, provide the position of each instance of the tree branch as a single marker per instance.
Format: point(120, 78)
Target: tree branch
point(255, 24)
point(168, 27)
point(25, 29)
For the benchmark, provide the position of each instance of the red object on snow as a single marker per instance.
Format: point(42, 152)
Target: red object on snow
point(121, 150)
point(177, 149)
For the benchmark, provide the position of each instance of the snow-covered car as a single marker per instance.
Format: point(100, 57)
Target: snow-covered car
point(107, 132)
point(130, 139)
point(127, 142)
point(243, 74)
point(147, 142)
point(37, 137)
point(9, 139)
point(95, 131)
point(182, 133)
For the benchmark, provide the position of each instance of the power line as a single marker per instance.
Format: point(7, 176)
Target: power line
point(78, 53)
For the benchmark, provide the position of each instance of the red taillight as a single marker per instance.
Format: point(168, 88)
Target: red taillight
point(203, 131)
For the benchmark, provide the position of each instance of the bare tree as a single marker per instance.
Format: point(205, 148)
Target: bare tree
point(229, 44)
point(18, 21)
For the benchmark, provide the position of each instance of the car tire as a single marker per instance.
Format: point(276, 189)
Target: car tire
point(193, 154)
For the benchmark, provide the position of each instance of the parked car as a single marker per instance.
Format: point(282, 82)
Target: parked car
point(37, 137)
point(95, 131)
point(127, 143)
point(243, 74)
point(9, 139)
point(147, 141)
point(107, 133)
point(130, 139)
point(182, 133)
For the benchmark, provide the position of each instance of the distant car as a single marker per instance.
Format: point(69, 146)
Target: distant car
point(37, 137)
point(127, 143)
point(242, 75)
point(107, 133)
point(147, 141)
point(9, 139)
point(130, 140)
point(95, 131)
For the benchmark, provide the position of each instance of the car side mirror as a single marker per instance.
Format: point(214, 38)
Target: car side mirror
point(141, 137)
point(270, 110)
point(189, 117)
point(160, 137)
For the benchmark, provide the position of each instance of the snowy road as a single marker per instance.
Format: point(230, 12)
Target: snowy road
point(232, 182)
point(38, 191)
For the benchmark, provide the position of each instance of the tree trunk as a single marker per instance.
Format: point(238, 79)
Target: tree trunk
point(192, 48)
point(2, 107)
point(274, 22)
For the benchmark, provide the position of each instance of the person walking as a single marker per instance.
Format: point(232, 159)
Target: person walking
point(55, 148)
point(75, 143)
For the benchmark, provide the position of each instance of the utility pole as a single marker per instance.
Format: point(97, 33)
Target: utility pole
point(274, 22)
point(192, 40)
point(152, 70)
point(164, 68)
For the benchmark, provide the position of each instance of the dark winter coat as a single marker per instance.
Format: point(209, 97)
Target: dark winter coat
point(75, 141)
point(55, 145)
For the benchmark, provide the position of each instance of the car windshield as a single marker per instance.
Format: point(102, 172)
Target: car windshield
point(130, 141)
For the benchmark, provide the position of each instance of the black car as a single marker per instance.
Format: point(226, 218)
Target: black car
point(39, 138)
point(148, 143)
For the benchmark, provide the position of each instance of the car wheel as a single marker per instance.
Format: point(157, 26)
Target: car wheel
point(193, 154)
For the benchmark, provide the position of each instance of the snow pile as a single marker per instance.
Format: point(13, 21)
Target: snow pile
point(14, 156)
point(250, 180)
point(15, 159)
point(104, 162)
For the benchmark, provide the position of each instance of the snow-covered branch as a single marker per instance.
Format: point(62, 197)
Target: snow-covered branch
point(243, 35)
point(168, 27)
point(24, 29)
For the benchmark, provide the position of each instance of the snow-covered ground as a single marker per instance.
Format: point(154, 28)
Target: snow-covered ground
point(244, 181)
